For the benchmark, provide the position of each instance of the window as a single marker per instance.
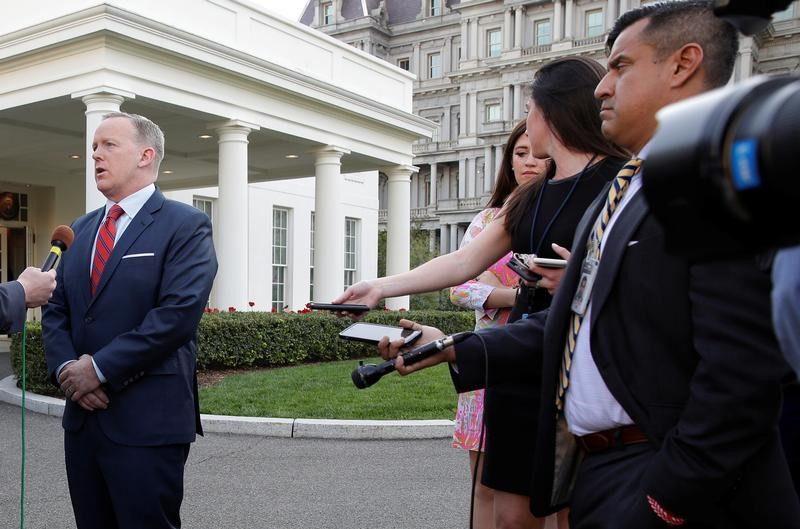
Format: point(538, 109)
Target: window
point(434, 65)
point(595, 25)
point(350, 251)
point(494, 43)
point(311, 260)
point(205, 205)
point(404, 64)
point(541, 32)
point(280, 245)
point(436, 8)
point(327, 12)
point(492, 112)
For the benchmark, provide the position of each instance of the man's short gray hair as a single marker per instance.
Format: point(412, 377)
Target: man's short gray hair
point(148, 133)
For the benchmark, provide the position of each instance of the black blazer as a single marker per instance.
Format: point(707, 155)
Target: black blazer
point(687, 349)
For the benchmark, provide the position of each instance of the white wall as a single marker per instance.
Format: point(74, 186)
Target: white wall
point(361, 202)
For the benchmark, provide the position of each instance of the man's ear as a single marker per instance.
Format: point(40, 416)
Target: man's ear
point(685, 64)
point(147, 157)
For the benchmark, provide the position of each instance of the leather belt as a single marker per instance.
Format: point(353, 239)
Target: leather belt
point(613, 438)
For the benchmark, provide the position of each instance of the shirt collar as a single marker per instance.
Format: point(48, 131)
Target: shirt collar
point(134, 202)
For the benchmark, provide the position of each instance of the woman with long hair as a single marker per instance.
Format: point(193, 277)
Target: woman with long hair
point(491, 296)
point(539, 218)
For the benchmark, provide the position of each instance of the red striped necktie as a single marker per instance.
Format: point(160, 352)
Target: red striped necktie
point(104, 246)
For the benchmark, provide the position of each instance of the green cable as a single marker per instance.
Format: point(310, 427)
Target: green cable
point(22, 470)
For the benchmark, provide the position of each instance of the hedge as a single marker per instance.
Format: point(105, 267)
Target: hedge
point(258, 339)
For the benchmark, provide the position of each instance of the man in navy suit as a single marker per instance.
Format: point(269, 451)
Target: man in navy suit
point(31, 289)
point(120, 336)
point(665, 413)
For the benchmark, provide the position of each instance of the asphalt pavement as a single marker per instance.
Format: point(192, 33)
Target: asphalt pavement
point(243, 481)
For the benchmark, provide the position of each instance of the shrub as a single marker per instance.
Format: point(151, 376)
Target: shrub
point(262, 339)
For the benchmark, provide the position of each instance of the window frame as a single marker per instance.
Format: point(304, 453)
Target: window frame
point(494, 49)
point(278, 303)
point(437, 55)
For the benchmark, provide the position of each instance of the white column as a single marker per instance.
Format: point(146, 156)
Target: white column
point(444, 239)
point(446, 119)
point(414, 191)
point(448, 56)
point(464, 110)
point(507, 27)
point(434, 184)
point(473, 38)
point(519, 16)
point(462, 178)
point(519, 101)
point(508, 104)
point(498, 158)
point(398, 227)
point(558, 19)
point(231, 289)
point(464, 39)
point(454, 238)
point(472, 177)
point(745, 70)
point(611, 13)
point(329, 223)
point(419, 68)
point(99, 102)
point(487, 169)
point(624, 5)
point(568, 19)
point(473, 114)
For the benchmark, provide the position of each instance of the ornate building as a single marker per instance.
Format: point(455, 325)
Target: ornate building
point(473, 60)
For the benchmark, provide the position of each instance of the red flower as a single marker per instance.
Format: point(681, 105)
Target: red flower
point(251, 303)
point(231, 309)
point(274, 309)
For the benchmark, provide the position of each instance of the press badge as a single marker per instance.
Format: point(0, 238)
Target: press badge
point(588, 274)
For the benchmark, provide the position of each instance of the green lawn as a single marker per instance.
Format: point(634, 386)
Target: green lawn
point(325, 391)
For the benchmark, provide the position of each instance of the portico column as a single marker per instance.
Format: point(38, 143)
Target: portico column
point(232, 215)
point(507, 29)
point(558, 20)
point(434, 184)
point(329, 223)
point(624, 6)
point(99, 102)
point(611, 13)
point(568, 19)
point(487, 169)
point(398, 227)
point(519, 15)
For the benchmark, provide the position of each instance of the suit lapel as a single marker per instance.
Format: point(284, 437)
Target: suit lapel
point(138, 225)
point(614, 249)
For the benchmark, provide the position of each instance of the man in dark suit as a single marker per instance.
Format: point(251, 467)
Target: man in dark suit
point(120, 336)
point(32, 288)
point(660, 386)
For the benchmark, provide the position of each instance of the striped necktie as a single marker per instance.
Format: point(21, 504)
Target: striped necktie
point(615, 194)
point(104, 246)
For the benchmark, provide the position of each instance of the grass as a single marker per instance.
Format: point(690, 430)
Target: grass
point(325, 391)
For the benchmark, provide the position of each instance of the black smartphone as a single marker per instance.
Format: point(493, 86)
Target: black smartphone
point(522, 270)
point(373, 332)
point(338, 307)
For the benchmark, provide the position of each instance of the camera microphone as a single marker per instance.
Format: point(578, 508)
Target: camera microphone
point(366, 375)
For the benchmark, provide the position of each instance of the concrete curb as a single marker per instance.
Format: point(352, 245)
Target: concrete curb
point(265, 426)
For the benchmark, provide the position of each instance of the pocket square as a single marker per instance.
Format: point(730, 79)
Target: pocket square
point(132, 255)
point(632, 243)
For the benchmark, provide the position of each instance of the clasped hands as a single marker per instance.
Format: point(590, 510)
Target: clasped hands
point(79, 381)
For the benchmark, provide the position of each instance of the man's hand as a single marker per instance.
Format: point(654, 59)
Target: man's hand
point(38, 286)
point(389, 349)
point(79, 378)
point(551, 277)
point(94, 400)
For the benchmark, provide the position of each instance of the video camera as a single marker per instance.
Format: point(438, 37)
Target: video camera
point(723, 171)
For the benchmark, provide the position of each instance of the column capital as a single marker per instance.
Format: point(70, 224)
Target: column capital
point(329, 154)
point(233, 125)
point(520, 9)
point(399, 173)
point(103, 93)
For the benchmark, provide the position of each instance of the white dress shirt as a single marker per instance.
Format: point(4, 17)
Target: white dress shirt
point(589, 406)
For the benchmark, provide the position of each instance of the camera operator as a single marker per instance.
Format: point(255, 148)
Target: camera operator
point(661, 385)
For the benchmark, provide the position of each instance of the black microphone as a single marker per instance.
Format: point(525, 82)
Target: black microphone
point(366, 375)
point(61, 241)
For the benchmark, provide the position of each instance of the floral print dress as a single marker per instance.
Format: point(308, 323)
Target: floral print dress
point(472, 295)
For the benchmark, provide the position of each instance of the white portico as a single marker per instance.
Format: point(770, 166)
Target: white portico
point(243, 96)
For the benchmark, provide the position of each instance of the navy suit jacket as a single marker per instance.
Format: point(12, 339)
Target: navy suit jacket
point(141, 325)
point(12, 307)
point(687, 349)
